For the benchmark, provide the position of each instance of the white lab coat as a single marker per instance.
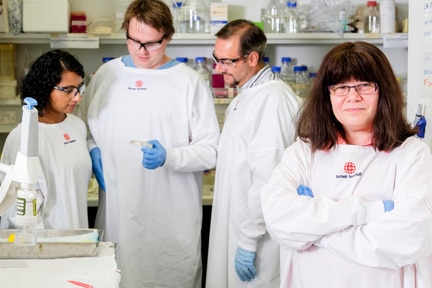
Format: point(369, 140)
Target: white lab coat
point(67, 169)
point(259, 125)
point(155, 216)
point(342, 237)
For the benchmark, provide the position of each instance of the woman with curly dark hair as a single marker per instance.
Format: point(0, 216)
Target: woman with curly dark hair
point(55, 81)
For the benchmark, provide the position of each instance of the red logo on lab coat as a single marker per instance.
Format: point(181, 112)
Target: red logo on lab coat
point(138, 83)
point(349, 168)
point(66, 137)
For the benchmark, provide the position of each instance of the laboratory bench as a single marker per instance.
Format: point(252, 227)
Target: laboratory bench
point(97, 271)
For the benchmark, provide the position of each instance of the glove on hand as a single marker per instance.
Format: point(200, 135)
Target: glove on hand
point(96, 159)
point(153, 157)
point(245, 264)
point(304, 191)
point(388, 205)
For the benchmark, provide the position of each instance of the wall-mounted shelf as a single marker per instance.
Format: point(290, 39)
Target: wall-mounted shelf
point(198, 39)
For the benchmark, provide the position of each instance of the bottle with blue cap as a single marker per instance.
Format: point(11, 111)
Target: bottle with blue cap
point(202, 69)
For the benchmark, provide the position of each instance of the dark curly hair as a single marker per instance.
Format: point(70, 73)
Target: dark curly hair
point(45, 73)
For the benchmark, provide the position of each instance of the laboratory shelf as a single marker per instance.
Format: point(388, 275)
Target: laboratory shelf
point(194, 39)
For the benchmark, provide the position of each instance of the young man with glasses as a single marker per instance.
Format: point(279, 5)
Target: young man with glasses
point(259, 125)
point(152, 193)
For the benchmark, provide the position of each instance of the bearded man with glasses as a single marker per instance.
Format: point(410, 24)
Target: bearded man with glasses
point(152, 194)
point(259, 125)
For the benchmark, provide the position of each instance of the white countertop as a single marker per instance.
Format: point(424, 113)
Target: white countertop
point(97, 271)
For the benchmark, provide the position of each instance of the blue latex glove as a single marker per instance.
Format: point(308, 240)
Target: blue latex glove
point(245, 264)
point(304, 191)
point(388, 205)
point(96, 159)
point(153, 157)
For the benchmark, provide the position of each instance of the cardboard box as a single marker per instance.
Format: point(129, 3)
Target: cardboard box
point(48, 16)
point(218, 16)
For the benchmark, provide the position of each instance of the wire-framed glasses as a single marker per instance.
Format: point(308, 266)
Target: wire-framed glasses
point(148, 46)
point(70, 89)
point(227, 62)
point(362, 89)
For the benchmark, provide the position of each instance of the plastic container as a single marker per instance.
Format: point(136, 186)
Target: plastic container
point(78, 22)
point(387, 11)
point(7, 61)
point(371, 21)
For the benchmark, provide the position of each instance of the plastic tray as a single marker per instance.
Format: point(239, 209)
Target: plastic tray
point(52, 244)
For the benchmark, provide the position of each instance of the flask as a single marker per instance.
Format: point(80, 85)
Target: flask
point(300, 82)
point(287, 73)
point(371, 22)
point(201, 68)
point(387, 16)
point(291, 18)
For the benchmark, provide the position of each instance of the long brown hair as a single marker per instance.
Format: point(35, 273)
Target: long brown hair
point(361, 61)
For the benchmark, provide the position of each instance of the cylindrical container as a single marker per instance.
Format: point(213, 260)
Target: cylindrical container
point(387, 16)
point(7, 61)
point(371, 22)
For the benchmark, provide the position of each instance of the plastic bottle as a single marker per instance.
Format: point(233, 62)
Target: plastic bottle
point(300, 83)
point(201, 68)
point(287, 72)
point(342, 23)
point(420, 122)
point(291, 18)
point(387, 16)
point(371, 21)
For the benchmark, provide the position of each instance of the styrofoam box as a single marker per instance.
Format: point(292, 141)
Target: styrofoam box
point(46, 16)
point(8, 89)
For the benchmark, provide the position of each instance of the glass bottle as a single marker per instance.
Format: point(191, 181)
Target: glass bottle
point(300, 83)
point(371, 22)
point(291, 18)
point(202, 69)
point(287, 72)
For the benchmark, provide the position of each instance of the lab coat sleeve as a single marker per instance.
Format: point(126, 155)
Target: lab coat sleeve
point(273, 130)
point(294, 221)
point(404, 235)
point(201, 152)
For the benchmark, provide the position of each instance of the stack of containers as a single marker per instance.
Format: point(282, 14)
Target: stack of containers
point(8, 83)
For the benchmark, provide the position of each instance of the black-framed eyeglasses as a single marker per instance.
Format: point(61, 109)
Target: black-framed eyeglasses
point(70, 89)
point(148, 46)
point(227, 62)
point(362, 89)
